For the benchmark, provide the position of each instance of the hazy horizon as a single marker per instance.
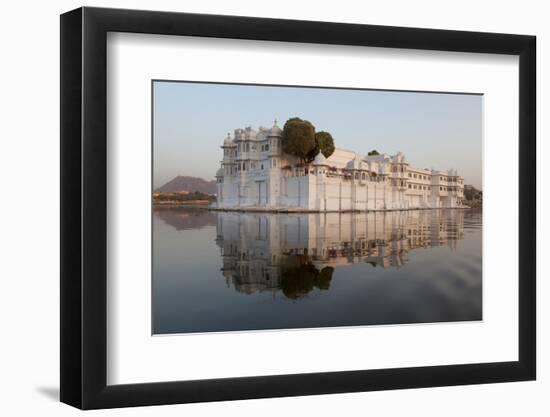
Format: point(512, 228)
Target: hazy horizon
point(433, 130)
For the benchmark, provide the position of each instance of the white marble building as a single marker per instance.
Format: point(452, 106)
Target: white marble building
point(256, 175)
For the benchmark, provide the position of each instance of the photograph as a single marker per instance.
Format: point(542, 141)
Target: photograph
point(293, 207)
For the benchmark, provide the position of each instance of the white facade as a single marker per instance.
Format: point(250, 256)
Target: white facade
point(256, 175)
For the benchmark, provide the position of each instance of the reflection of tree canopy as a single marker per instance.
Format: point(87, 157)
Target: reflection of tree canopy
point(299, 276)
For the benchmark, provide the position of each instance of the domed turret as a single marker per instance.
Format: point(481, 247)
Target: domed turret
point(320, 159)
point(219, 172)
point(275, 130)
point(227, 141)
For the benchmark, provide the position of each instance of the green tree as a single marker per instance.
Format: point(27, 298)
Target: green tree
point(373, 152)
point(299, 139)
point(324, 143)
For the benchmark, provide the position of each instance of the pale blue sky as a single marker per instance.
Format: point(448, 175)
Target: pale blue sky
point(191, 120)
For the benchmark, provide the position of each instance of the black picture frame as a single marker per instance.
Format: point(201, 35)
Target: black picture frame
point(84, 207)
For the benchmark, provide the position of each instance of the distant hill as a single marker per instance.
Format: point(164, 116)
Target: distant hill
point(188, 184)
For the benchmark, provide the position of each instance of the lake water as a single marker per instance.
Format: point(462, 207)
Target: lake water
point(225, 271)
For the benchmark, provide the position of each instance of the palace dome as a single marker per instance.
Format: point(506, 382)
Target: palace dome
point(320, 159)
point(275, 130)
point(219, 172)
point(227, 141)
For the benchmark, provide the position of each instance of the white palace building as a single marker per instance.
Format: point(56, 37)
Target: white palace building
point(255, 174)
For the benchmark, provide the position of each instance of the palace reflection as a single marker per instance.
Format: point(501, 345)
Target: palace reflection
point(297, 253)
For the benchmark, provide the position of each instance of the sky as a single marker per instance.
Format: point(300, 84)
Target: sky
point(433, 130)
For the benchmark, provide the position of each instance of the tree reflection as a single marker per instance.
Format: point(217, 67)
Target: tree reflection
point(299, 277)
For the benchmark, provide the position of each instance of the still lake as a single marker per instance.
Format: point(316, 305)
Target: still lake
point(228, 271)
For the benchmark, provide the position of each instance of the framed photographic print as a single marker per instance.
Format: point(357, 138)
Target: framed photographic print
point(257, 207)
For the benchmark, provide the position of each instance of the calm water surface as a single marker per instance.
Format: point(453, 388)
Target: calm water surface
point(215, 271)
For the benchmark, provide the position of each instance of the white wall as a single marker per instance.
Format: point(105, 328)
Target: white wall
point(29, 163)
